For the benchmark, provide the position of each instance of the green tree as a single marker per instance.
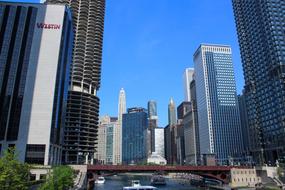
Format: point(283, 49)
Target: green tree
point(61, 178)
point(13, 174)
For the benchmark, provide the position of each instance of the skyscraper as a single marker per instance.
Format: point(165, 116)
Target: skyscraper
point(118, 129)
point(187, 78)
point(134, 149)
point(218, 111)
point(260, 28)
point(106, 145)
point(159, 141)
point(182, 109)
point(152, 109)
point(83, 102)
point(100, 154)
point(122, 105)
point(244, 123)
point(34, 79)
point(172, 119)
point(152, 124)
point(191, 129)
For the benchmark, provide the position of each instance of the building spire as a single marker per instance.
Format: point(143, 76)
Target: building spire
point(122, 105)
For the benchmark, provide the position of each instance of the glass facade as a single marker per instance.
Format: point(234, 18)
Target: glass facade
point(152, 109)
point(260, 27)
point(172, 119)
point(134, 136)
point(17, 25)
point(218, 111)
point(110, 143)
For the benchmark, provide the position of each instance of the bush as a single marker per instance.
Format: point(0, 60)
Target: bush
point(13, 174)
point(61, 178)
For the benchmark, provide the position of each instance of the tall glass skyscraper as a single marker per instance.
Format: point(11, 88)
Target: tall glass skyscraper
point(152, 124)
point(218, 111)
point(260, 27)
point(134, 149)
point(83, 102)
point(152, 109)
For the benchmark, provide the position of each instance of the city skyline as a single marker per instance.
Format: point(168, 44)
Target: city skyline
point(149, 51)
point(149, 44)
point(218, 128)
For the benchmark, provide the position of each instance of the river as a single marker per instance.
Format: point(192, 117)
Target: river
point(119, 181)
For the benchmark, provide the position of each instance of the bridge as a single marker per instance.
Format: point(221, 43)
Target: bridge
point(155, 168)
point(221, 173)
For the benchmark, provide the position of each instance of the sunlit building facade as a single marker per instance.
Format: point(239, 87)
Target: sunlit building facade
point(217, 105)
point(36, 43)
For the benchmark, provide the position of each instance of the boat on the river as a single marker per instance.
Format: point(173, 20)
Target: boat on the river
point(136, 185)
point(157, 180)
point(140, 188)
point(100, 180)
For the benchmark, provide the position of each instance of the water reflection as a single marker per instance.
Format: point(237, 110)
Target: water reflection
point(119, 181)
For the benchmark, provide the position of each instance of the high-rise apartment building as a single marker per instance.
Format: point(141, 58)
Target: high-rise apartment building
point(260, 27)
point(187, 78)
point(217, 106)
point(35, 57)
point(83, 102)
point(134, 149)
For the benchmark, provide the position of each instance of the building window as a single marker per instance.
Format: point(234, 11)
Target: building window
point(35, 154)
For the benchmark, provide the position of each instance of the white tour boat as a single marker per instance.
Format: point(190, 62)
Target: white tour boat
point(100, 180)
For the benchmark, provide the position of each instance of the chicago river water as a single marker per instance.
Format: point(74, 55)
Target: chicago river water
point(122, 180)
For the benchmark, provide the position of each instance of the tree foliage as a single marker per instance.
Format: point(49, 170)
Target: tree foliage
point(61, 178)
point(13, 174)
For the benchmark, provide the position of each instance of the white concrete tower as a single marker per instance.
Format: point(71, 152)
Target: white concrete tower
point(122, 105)
point(118, 129)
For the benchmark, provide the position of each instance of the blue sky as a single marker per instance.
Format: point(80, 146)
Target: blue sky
point(149, 43)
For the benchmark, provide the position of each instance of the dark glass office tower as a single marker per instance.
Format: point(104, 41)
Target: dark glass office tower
point(134, 136)
point(83, 102)
point(260, 27)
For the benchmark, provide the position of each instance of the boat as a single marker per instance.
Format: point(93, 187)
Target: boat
point(137, 186)
point(157, 180)
point(100, 180)
point(140, 188)
point(136, 183)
